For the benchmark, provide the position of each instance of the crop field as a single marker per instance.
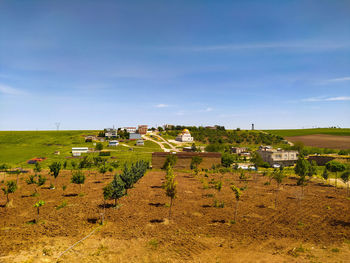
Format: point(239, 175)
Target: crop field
point(302, 132)
point(323, 141)
point(17, 147)
point(312, 228)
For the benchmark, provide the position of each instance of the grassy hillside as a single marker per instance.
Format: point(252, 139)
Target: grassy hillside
point(300, 132)
point(17, 147)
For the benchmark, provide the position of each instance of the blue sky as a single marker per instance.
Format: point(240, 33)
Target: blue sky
point(94, 64)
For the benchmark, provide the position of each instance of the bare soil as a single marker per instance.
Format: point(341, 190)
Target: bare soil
point(315, 228)
point(323, 141)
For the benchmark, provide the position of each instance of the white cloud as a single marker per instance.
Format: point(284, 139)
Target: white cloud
point(161, 105)
point(315, 99)
point(5, 89)
point(339, 79)
point(208, 109)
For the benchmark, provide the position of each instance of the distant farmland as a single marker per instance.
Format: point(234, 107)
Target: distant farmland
point(302, 132)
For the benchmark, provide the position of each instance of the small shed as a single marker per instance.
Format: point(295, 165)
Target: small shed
point(135, 136)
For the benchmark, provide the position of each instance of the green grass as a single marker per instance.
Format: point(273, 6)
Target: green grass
point(300, 132)
point(17, 147)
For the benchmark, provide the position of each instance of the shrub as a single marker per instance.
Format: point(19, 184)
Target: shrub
point(78, 177)
point(11, 187)
point(170, 161)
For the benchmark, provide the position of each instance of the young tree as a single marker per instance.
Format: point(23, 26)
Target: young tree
point(335, 167)
point(302, 168)
point(99, 146)
point(238, 193)
point(114, 190)
point(312, 169)
point(170, 186)
point(196, 161)
point(170, 160)
point(278, 176)
point(78, 177)
point(55, 169)
point(37, 167)
point(11, 187)
point(345, 176)
point(325, 175)
point(38, 205)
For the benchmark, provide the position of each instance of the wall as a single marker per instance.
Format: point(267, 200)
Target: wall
point(184, 159)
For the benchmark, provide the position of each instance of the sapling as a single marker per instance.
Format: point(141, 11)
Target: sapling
point(55, 168)
point(170, 186)
point(335, 167)
point(11, 187)
point(278, 176)
point(78, 177)
point(38, 205)
point(345, 176)
point(37, 167)
point(302, 168)
point(325, 175)
point(114, 190)
point(238, 193)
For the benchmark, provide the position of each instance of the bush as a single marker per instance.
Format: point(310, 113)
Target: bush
point(104, 154)
point(170, 161)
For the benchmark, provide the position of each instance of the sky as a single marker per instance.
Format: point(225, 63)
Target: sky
point(94, 64)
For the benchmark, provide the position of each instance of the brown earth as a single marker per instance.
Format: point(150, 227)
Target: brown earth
point(313, 229)
point(323, 141)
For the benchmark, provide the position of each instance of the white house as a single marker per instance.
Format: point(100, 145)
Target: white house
point(111, 132)
point(130, 129)
point(77, 151)
point(184, 136)
point(140, 143)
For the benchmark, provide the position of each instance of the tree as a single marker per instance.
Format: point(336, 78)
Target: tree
point(99, 146)
point(78, 177)
point(345, 176)
point(103, 169)
point(312, 168)
point(302, 169)
point(55, 169)
point(196, 161)
point(114, 190)
point(335, 167)
point(37, 167)
point(11, 187)
point(325, 175)
point(170, 160)
point(38, 205)
point(238, 193)
point(258, 161)
point(227, 159)
point(278, 176)
point(170, 186)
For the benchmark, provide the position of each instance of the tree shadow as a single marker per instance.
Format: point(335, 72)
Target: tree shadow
point(340, 223)
point(218, 221)
point(330, 197)
point(206, 206)
point(157, 221)
point(92, 220)
point(97, 182)
point(261, 206)
point(106, 205)
point(156, 186)
point(70, 195)
point(156, 204)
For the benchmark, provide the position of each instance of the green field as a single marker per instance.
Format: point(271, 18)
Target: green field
point(17, 147)
point(301, 132)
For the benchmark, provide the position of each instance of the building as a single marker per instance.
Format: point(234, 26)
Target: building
point(113, 143)
point(135, 136)
point(77, 151)
point(168, 127)
point(184, 159)
point(130, 129)
point(140, 143)
point(142, 129)
point(238, 150)
point(277, 156)
point(184, 136)
point(111, 132)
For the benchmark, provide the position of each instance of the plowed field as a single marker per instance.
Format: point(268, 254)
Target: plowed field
point(323, 141)
point(315, 228)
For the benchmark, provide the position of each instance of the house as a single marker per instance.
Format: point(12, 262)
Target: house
point(113, 143)
point(140, 143)
point(142, 129)
point(130, 129)
point(135, 136)
point(168, 127)
point(77, 151)
point(111, 132)
point(277, 156)
point(238, 150)
point(184, 136)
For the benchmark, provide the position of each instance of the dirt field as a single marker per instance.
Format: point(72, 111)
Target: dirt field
point(314, 229)
point(323, 141)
